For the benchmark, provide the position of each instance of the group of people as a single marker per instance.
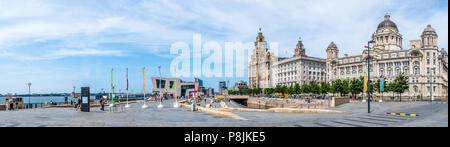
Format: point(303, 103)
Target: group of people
point(10, 105)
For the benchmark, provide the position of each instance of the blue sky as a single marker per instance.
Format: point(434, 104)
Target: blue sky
point(60, 44)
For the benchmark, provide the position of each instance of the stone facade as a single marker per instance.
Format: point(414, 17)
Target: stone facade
point(259, 73)
point(423, 63)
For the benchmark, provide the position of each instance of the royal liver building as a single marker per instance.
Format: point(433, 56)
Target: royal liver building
point(424, 63)
point(259, 75)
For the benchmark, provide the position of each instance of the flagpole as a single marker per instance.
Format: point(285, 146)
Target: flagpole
point(127, 105)
point(160, 93)
point(175, 86)
point(143, 88)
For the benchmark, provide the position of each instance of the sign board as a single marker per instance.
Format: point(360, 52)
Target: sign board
point(85, 95)
point(382, 85)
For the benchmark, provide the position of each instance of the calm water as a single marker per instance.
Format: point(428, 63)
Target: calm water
point(40, 99)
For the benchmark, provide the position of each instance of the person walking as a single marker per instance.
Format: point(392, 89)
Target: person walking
point(7, 105)
point(11, 104)
point(102, 103)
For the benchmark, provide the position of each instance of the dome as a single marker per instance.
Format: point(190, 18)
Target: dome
point(429, 29)
point(332, 45)
point(387, 23)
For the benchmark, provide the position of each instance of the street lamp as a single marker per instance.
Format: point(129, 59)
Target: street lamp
point(29, 94)
point(368, 74)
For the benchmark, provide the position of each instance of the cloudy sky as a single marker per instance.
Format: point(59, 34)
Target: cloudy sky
point(58, 44)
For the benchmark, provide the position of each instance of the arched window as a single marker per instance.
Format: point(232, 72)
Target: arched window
point(397, 71)
point(416, 89)
point(382, 72)
point(406, 71)
point(416, 70)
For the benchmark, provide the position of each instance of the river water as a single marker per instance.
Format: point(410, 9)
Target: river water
point(41, 99)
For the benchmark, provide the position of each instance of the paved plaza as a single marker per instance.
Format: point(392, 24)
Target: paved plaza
point(355, 115)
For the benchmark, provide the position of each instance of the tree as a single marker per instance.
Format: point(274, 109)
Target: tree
point(400, 85)
point(305, 88)
point(356, 86)
point(314, 87)
point(324, 88)
point(297, 89)
point(345, 87)
point(336, 87)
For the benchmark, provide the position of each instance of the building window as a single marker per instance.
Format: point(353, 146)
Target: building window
point(389, 72)
point(382, 72)
point(428, 54)
point(397, 71)
point(416, 89)
point(406, 70)
point(434, 61)
point(416, 71)
point(428, 61)
point(428, 70)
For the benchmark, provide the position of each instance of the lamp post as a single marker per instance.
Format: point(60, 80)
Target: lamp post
point(160, 93)
point(368, 75)
point(29, 94)
point(431, 87)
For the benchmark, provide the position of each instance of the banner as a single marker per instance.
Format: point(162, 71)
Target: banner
point(143, 73)
point(127, 79)
point(365, 83)
point(382, 85)
point(113, 95)
point(175, 82)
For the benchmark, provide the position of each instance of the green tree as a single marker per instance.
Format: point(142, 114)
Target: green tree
point(356, 86)
point(345, 87)
point(314, 87)
point(336, 87)
point(400, 84)
point(324, 88)
point(305, 88)
point(297, 89)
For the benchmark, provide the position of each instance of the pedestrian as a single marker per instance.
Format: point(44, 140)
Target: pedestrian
point(7, 105)
point(102, 103)
point(79, 104)
point(11, 104)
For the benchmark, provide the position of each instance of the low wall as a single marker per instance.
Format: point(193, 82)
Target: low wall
point(258, 104)
point(336, 101)
point(2, 107)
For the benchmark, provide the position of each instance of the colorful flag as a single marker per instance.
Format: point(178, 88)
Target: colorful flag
point(143, 73)
point(382, 85)
point(365, 83)
point(175, 82)
point(127, 79)
point(113, 95)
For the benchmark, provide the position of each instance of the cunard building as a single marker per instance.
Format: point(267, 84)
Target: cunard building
point(423, 63)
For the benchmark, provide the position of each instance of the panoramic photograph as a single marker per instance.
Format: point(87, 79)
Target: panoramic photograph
point(224, 64)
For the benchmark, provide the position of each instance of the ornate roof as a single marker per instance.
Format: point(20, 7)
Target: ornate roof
point(429, 29)
point(332, 45)
point(387, 23)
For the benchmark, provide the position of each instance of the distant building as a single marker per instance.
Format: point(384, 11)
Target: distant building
point(182, 88)
point(222, 86)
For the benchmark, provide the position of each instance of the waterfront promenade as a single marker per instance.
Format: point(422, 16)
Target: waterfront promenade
point(355, 115)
